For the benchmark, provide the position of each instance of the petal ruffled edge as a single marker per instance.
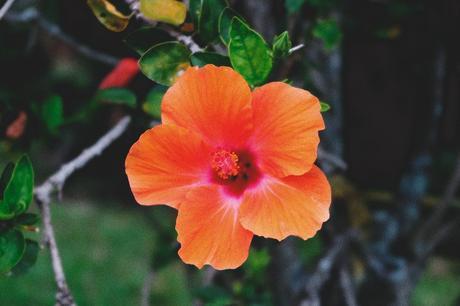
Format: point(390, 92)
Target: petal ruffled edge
point(295, 205)
point(286, 125)
point(213, 101)
point(165, 163)
point(209, 231)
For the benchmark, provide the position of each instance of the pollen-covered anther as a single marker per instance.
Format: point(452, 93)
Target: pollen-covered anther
point(225, 163)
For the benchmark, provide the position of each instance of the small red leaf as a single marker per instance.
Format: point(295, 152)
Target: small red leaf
point(121, 75)
point(16, 128)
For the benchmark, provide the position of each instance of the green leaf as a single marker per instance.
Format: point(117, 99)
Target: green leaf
point(324, 107)
point(281, 45)
point(293, 6)
point(52, 113)
point(225, 21)
point(329, 32)
point(208, 25)
point(249, 53)
point(152, 104)
point(12, 247)
point(29, 258)
point(164, 62)
point(19, 190)
point(27, 219)
point(202, 58)
point(5, 178)
point(144, 38)
point(121, 96)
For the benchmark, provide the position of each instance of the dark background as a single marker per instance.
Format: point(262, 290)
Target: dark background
point(393, 85)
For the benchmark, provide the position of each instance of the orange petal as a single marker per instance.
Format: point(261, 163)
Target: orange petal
point(213, 101)
point(165, 163)
point(294, 205)
point(209, 231)
point(286, 125)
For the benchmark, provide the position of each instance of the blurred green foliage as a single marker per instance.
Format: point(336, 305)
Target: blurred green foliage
point(152, 104)
point(439, 285)
point(120, 96)
point(52, 113)
point(100, 269)
point(329, 32)
point(202, 58)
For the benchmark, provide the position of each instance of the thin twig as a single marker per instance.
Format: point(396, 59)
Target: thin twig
point(6, 7)
point(56, 182)
point(186, 40)
point(63, 294)
point(33, 15)
point(295, 48)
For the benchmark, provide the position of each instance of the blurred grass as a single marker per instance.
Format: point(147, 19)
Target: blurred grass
point(105, 252)
point(106, 249)
point(439, 285)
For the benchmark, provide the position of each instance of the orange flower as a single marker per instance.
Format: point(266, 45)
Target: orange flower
point(233, 163)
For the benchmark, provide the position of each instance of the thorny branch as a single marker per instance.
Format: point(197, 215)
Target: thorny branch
point(56, 182)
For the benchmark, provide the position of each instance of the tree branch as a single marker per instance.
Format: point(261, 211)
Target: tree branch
point(56, 182)
point(324, 267)
point(187, 40)
point(63, 294)
point(147, 288)
point(33, 15)
point(333, 161)
point(5, 8)
point(348, 287)
point(429, 227)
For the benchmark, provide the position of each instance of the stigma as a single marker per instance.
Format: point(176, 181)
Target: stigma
point(225, 164)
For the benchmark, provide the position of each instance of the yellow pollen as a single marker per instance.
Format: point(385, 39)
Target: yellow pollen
point(225, 163)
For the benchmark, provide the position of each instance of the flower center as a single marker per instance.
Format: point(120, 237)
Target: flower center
point(235, 171)
point(225, 164)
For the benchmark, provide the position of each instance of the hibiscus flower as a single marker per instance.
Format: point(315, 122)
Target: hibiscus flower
point(234, 163)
